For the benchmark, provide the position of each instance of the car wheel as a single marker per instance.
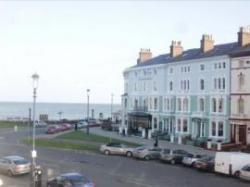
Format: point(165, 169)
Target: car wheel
point(129, 154)
point(237, 174)
point(172, 162)
point(107, 152)
point(10, 173)
point(48, 185)
point(192, 165)
point(147, 157)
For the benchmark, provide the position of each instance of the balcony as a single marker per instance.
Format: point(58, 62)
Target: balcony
point(140, 109)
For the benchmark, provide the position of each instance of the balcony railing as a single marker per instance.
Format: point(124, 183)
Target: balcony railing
point(140, 108)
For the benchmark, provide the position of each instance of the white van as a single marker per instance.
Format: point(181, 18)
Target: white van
point(230, 163)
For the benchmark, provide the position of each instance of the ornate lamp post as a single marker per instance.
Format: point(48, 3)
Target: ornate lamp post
point(88, 90)
point(35, 78)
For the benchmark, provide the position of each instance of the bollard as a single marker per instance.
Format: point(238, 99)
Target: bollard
point(209, 144)
point(172, 138)
point(179, 140)
point(218, 146)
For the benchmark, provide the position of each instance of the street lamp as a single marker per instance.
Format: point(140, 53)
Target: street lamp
point(88, 90)
point(35, 78)
point(60, 115)
point(111, 107)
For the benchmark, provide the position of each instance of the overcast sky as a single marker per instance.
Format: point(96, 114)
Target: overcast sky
point(78, 45)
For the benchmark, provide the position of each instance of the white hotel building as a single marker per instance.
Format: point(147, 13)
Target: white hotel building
point(183, 93)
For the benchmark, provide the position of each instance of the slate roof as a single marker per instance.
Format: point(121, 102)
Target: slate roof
point(191, 54)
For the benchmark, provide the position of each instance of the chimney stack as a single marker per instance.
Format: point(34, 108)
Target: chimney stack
point(207, 43)
point(144, 55)
point(244, 36)
point(176, 49)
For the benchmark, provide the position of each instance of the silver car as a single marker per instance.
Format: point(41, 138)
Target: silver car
point(245, 173)
point(147, 153)
point(14, 165)
point(117, 149)
point(190, 159)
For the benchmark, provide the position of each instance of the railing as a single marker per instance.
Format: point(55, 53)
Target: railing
point(140, 108)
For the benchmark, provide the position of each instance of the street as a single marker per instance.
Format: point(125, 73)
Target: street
point(107, 171)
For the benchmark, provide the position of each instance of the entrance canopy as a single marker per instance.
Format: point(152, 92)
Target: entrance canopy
point(140, 119)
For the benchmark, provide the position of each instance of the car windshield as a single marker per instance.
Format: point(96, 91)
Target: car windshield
point(20, 162)
point(76, 180)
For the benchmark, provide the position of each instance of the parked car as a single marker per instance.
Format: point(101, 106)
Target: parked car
point(82, 124)
point(230, 163)
point(14, 165)
point(116, 149)
point(245, 173)
point(40, 124)
point(53, 129)
point(190, 159)
point(67, 126)
point(205, 164)
point(147, 153)
point(173, 156)
point(70, 180)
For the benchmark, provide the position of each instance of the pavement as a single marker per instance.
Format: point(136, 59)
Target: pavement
point(107, 171)
point(161, 143)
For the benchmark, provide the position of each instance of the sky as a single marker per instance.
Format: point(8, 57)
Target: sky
point(79, 45)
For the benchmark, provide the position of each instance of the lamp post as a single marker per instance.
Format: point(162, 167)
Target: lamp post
point(60, 115)
point(35, 78)
point(88, 90)
point(111, 106)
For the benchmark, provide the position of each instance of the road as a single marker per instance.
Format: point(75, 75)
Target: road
point(107, 171)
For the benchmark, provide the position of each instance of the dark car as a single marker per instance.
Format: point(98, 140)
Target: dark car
point(70, 180)
point(173, 156)
point(205, 164)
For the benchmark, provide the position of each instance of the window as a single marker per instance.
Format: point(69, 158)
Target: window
point(125, 103)
point(179, 125)
point(202, 67)
point(155, 123)
point(155, 103)
point(215, 84)
point(215, 66)
point(145, 103)
point(223, 83)
point(202, 105)
point(150, 103)
point(241, 80)
point(224, 65)
point(219, 83)
point(181, 85)
point(219, 65)
point(171, 86)
point(188, 69)
point(220, 129)
point(188, 84)
point(213, 128)
point(185, 104)
point(185, 86)
point(220, 105)
point(136, 103)
point(241, 106)
point(202, 84)
point(168, 104)
point(241, 63)
point(155, 71)
point(214, 105)
point(185, 125)
point(179, 104)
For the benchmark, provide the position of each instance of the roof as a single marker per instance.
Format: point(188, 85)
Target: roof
point(196, 53)
point(14, 157)
point(73, 174)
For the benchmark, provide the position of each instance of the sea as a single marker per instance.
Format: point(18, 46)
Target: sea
point(70, 111)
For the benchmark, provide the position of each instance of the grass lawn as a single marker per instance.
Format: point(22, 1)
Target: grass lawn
point(63, 144)
point(82, 136)
point(10, 124)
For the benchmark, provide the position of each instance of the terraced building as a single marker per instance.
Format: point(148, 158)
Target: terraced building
point(185, 93)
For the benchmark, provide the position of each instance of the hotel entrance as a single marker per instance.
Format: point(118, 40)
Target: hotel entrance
point(240, 133)
point(139, 124)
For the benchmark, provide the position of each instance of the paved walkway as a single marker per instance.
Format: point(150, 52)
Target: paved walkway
point(139, 140)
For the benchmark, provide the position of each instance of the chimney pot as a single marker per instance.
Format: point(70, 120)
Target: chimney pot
point(176, 49)
point(244, 36)
point(144, 55)
point(207, 43)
